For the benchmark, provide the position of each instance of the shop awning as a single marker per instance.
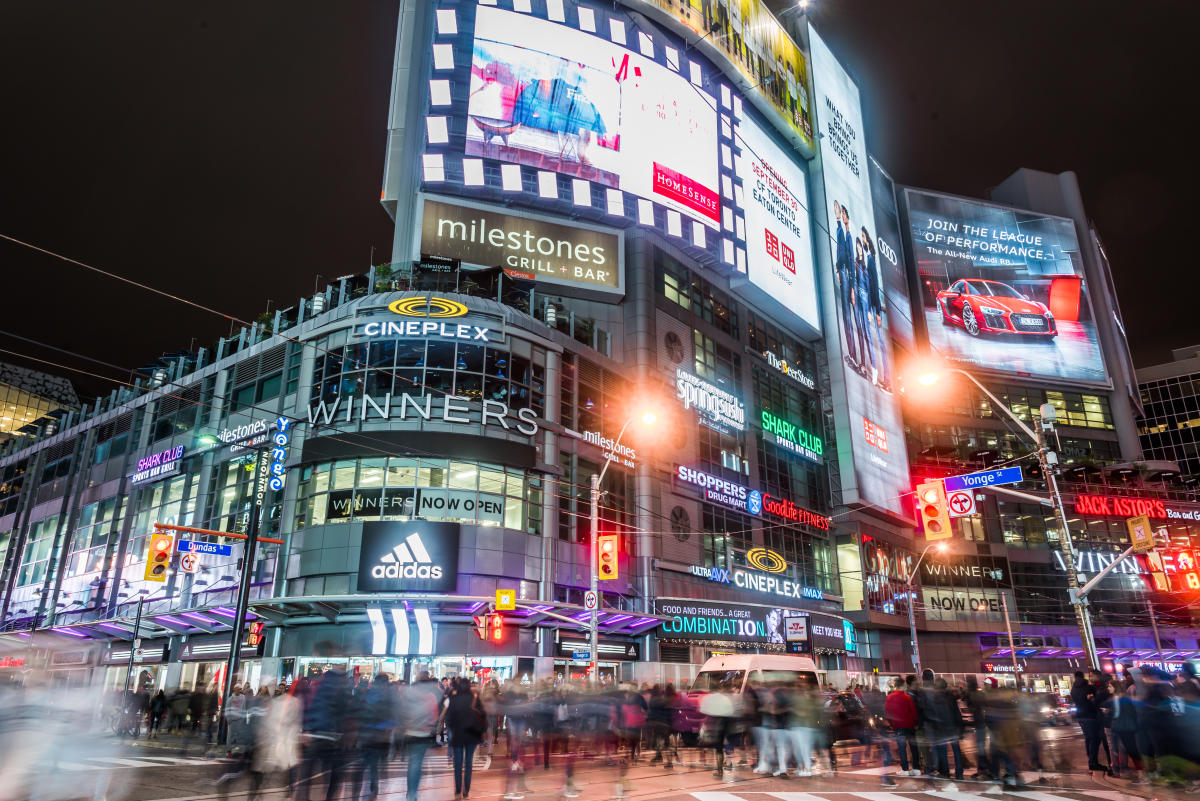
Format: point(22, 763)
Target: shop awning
point(1116, 654)
point(208, 620)
point(307, 609)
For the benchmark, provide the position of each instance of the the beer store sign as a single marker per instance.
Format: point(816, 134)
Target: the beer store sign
point(790, 370)
point(526, 248)
point(717, 408)
point(791, 437)
point(417, 556)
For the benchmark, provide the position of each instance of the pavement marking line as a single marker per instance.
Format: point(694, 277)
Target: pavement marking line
point(715, 796)
point(784, 795)
point(126, 763)
point(1034, 795)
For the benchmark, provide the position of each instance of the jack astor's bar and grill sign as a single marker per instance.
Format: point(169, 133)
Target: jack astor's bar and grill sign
point(526, 248)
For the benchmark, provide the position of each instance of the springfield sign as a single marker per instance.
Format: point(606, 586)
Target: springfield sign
point(717, 408)
point(526, 248)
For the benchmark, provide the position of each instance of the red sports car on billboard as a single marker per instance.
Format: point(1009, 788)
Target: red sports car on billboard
point(992, 307)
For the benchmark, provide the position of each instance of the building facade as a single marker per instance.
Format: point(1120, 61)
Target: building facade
point(1170, 395)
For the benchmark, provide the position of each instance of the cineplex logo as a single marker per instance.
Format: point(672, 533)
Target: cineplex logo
point(407, 560)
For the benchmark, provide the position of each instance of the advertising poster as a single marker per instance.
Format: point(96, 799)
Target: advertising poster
point(753, 41)
point(1002, 289)
point(875, 470)
point(556, 98)
point(891, 257)
point(778, 229)
point(713, 620)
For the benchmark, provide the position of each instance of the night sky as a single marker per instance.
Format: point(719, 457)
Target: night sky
point(232, 155)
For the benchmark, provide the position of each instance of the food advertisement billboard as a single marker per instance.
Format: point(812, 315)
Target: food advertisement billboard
point(749, 37)
point(556, 98)
point(1003, 289)
point(778, 230)
point(871, 451)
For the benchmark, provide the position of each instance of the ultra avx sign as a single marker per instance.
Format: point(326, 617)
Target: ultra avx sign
point(1007, 475)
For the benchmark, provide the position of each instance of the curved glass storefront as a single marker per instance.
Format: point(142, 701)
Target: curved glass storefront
point(402, 488)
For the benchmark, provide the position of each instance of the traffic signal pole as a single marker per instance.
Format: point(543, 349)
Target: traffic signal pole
point(243, 598)
point(594, 548)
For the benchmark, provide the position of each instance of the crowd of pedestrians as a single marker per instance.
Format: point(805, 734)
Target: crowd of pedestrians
point(338, 735)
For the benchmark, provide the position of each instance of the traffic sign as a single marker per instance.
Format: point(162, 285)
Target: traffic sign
point(205, 547)
point(591, 600)
point(987, 478)
point(188, 562)
point(961, 503)
point(582, 656)
point(1141, 536)
point(506, 600)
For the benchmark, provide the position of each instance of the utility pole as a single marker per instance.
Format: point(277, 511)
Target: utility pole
point(248, 558)
point(1008, 627)
point(1154, 625)
point(133, 646)
point(594, 547)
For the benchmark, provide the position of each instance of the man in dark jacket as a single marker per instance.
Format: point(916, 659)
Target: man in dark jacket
point(323, 725)
point(977, 703)
point(1083, 695)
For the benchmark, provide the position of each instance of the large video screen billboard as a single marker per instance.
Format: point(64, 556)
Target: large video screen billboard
point(890, 257)
point(1003, 289)
point(871, 453)
point(550, 96)
point(747, 34)
point(774, 196)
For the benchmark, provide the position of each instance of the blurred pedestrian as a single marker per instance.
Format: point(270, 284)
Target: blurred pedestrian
point(324, 727)
point(158, 709)
point(717, 708)
point(901, 713)
point(419, 713)
point(1083, 695)
point(466, 723)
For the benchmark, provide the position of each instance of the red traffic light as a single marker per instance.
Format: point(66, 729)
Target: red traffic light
point(496, 629)
point(607, 552)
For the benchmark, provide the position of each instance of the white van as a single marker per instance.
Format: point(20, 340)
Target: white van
point(739, 669)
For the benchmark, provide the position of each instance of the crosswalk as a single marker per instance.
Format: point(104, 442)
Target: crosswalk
point(140, 761)
point(990, 794)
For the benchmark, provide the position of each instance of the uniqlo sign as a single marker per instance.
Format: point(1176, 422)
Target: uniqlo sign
point(779, 251)
point(875, 435)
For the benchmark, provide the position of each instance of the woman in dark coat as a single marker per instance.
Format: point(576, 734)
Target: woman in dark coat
point(466, 722)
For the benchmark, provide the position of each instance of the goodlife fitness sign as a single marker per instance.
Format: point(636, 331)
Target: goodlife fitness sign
point(736, 496)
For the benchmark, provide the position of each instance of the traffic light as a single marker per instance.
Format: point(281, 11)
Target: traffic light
point(256, 636)
point(481, 626)
point(159, 557)
point(933, 510)
point(496, 629)
point(606, 546)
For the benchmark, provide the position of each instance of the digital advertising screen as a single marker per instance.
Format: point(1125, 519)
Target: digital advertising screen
point(774, 197)
point(559, 99)
point(1003, 290)
point(891, 257)
point(750, 38)
point(871, 450)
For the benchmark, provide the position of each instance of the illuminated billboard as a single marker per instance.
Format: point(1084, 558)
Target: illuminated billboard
point(774, 197)
point(549, 96)
point(1003, 289)
point(749, 37)
point(526, 248)
point(890, 257)
point(870, 433)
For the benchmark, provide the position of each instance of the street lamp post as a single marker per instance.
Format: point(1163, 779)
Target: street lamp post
point(647, 419)
point(1046, 460)
point(940, 547)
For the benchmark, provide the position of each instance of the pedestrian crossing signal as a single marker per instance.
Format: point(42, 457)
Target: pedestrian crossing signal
point(256, 637)
point(158, 559)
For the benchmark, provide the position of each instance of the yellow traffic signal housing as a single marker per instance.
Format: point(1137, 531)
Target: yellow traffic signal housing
point(158, 558)
point(933, 510)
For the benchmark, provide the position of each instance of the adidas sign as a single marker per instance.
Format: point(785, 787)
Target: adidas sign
point(407, 560)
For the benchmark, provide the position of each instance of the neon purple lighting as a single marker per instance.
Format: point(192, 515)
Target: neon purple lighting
point(616, 619)
point(112, 627)
point(196, 616)
point(169, 619)
point(224, 611)
point(70, 633)
point(642, 621)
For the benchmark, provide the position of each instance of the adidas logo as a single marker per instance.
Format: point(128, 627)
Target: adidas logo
point(408, 560)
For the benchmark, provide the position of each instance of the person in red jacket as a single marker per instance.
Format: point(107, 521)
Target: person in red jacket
point(901, 712)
